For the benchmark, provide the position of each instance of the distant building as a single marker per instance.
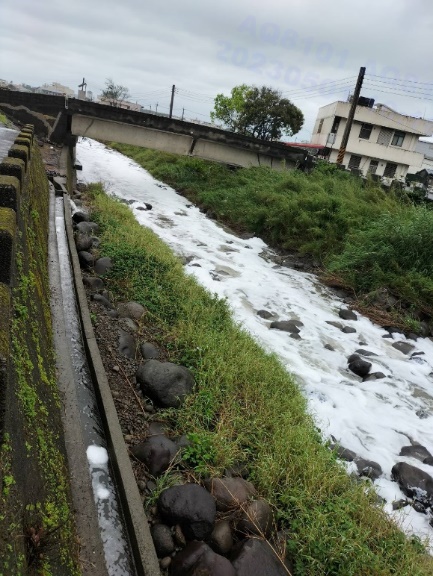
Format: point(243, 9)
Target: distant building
point(121, 104)
point(55, 89)
point(381, 141)
point(425, 148)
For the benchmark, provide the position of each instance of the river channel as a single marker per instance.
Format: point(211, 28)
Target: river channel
point(375, 419)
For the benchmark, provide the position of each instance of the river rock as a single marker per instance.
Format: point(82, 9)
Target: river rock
point(163, 540)
point(368, 468)
point(157, 453)
point(360, 367)
point(230, 492)
point(149, 351)
point(165, 383)
point(103, 265)
point(191, 506)
point(414, 482)
point(198, 559)
point(346, 314)
point(338, 325)
point(127, 344)
point(87, 227)
point(93, 282)
point(403, 347)
point(374, 376)
point(256, 518)
point(85, 259)
point(264, 314)
point(80, 216)
point(343, 453)
point(221, 539)
point(132, 310)
point(419, 452)
point(255, 557)
point(83, 242)
point(102, 300)
point(363, 352)
point(348, 330)
point(291, 326)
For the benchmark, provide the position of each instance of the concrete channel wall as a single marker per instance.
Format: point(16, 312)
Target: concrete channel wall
point(13, 171)
point(28, 369)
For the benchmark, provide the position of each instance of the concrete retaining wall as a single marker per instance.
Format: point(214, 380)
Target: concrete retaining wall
point(12, 175)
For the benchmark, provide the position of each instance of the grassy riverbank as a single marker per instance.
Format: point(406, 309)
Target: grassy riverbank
point(367, 239)
point(246, 408)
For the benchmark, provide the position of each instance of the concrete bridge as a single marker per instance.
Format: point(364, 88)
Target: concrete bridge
point(62, 120)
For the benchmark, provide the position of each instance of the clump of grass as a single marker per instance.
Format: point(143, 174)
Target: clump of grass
point(395, 250)
point(247, 408)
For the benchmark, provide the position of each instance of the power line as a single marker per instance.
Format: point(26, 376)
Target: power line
point(319, 86)
point(399, 79)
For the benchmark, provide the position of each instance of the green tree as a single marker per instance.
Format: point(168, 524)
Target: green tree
point(259, 112)
point(114, 94)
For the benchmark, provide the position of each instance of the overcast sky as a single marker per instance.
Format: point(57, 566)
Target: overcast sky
point(309, 49)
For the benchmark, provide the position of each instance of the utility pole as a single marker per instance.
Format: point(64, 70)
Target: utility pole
point(156, 108)
point(346, 133)
point(183, 112)
point(172, 100)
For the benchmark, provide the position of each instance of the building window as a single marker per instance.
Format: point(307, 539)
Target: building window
point(365, 131)
point(397, 139)
point(354, 162)
point(390, 170)
point(385, 136)
point(373, 166)
point(336, 125)
point(319, 129)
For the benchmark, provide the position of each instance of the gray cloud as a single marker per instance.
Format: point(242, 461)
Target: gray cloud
point(208, 48)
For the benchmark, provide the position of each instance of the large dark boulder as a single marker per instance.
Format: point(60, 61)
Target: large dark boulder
point(368, 468)
point(229, 492)
point(414, 482)
point(198, 559)
point(346, 314)
point(291, 326)
point(103, 265)
point(165, 383)
point(256, 518)
point(256, 558)
point(403, 347)
point(83, 242)
point(192, 507)
point(86, 259)
point(87, 227)
point(360, 367)
point(419, 452)
point(157, 453)
point(162, 539)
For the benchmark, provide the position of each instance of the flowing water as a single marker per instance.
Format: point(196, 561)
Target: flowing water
point(115, 545)
point(375, 419)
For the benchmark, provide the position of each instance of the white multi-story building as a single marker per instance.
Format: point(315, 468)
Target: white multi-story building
point(381, 140)
point(55, 89)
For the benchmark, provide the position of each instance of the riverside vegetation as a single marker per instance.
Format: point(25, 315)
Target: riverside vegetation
point(365, 239)
point(246, 408)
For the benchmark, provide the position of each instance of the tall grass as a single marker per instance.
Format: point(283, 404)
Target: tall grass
point(247, 408)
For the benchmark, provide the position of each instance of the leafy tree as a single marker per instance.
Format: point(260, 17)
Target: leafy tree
point(258, 112)
point(114, 93)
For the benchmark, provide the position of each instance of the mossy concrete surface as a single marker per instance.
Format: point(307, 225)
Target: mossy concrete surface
point(34, 479)
point(18, 151)
point(5, 304)
point(9, 192)
point(13, 167)
point(7, 240)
